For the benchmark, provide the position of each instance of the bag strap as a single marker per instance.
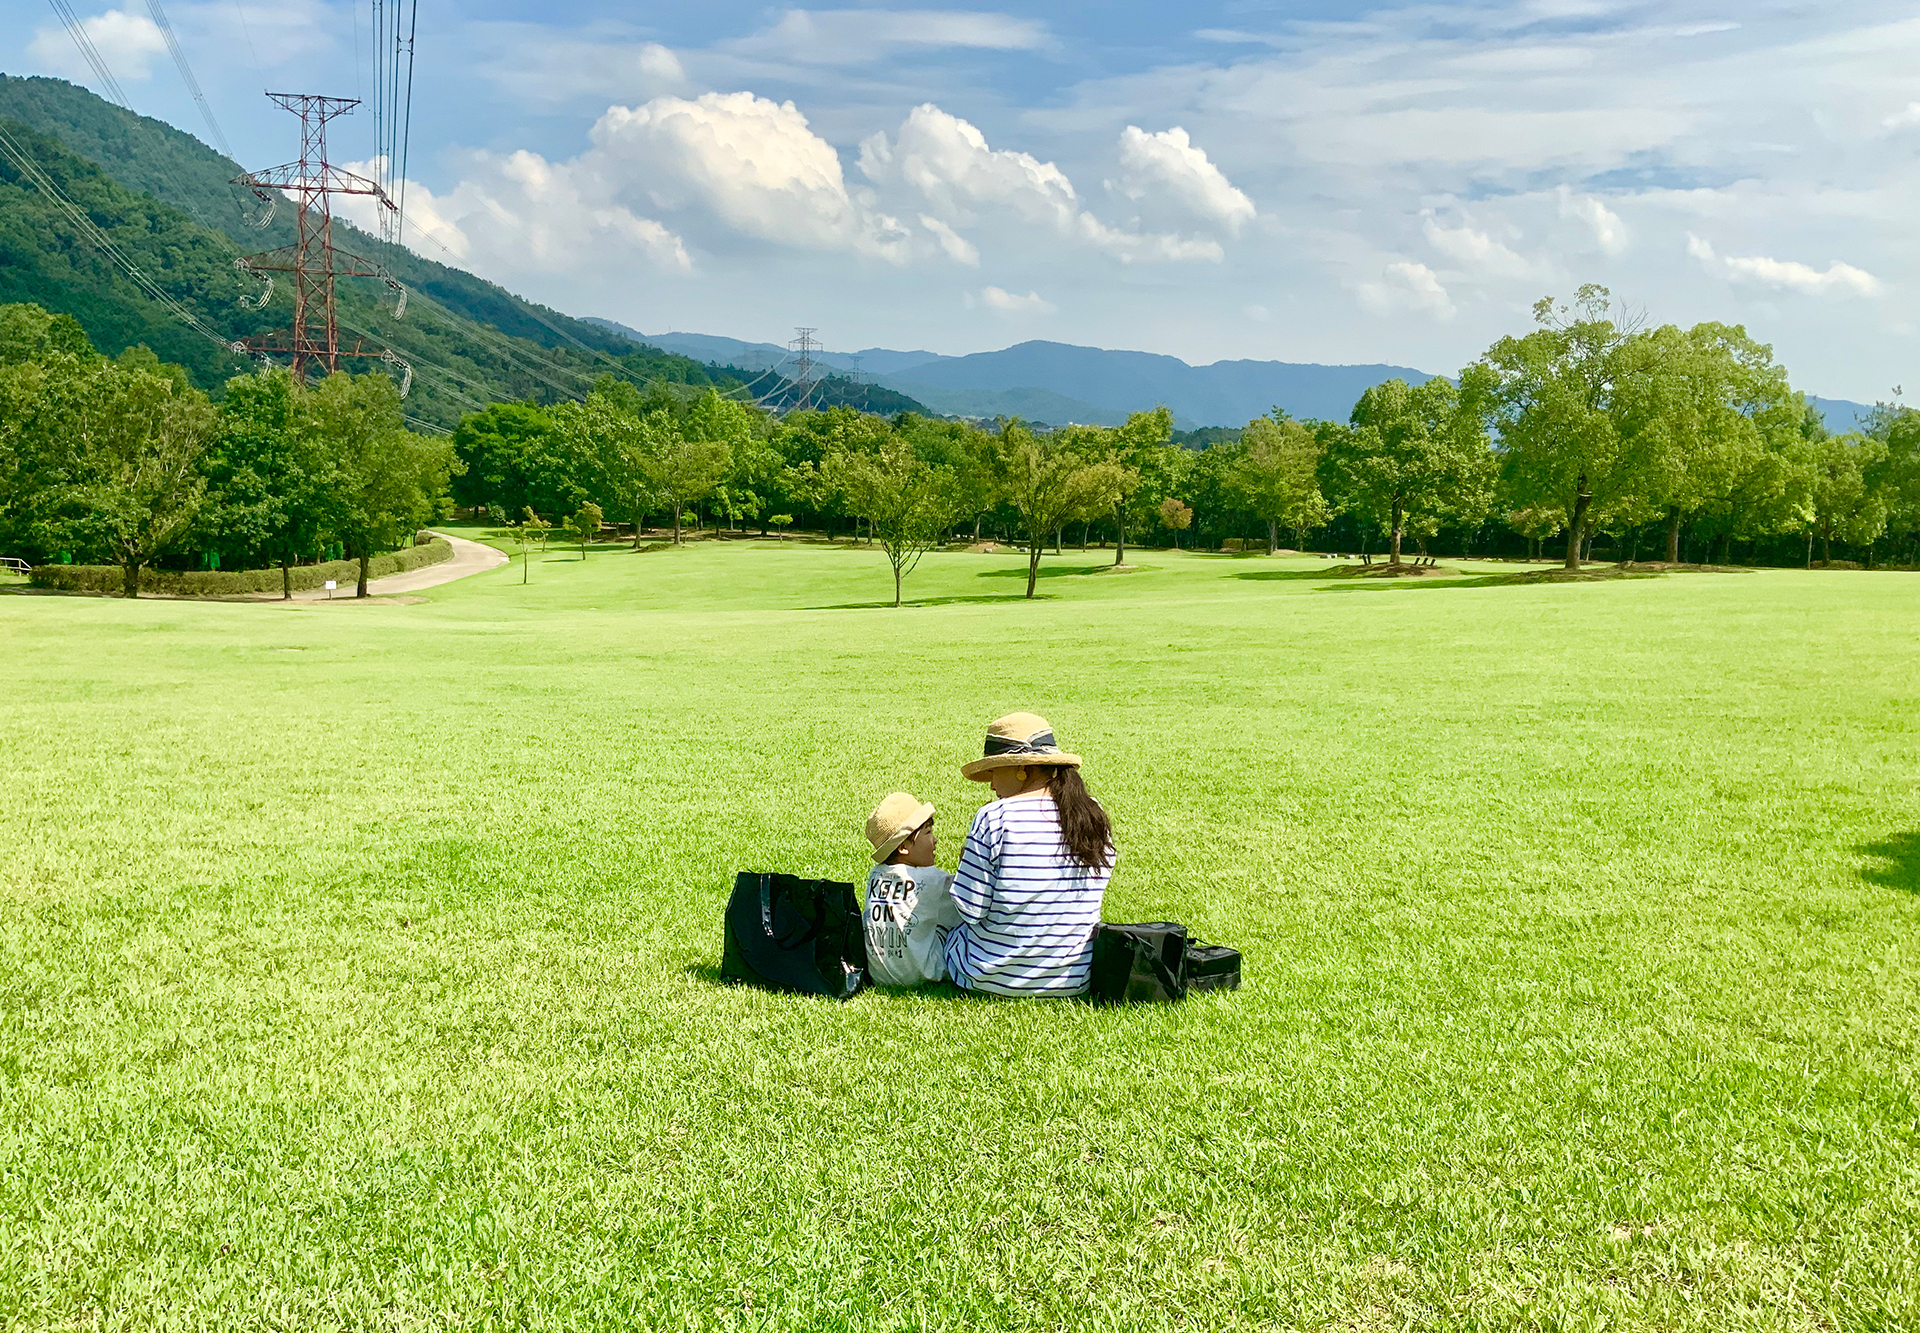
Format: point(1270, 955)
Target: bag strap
point(766, 904)
point(1174, 985)
point(1164, 974)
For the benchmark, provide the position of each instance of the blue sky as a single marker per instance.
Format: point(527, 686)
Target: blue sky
point(1308, 182)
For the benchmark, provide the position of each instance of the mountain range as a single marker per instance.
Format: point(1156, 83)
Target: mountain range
point(1058, 383)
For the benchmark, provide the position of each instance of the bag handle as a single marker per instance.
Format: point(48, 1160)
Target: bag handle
point(1173, 984)
point(808, 929)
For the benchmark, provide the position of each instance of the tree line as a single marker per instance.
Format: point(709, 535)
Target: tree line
point(1590, 428)
point(123, 461)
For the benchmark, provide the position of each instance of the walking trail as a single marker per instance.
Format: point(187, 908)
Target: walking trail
point(468, 558)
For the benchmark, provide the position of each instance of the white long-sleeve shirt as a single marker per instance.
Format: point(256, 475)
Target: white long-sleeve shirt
point(1027, 908)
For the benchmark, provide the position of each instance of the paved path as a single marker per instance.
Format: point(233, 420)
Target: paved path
point(468, 558)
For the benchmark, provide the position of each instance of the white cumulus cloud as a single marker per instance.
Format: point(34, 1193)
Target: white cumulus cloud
point(965, 182)
point(750, 164)
point(1170, 166)
point(1476, 251)
point(1010, 303)
point(127, 42)
point(957, 247)
point(1787, 274)
point(1405, 287)
point(1609, 232)
point(1904, 118)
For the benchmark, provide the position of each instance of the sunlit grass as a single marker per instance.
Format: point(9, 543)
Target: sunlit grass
point(357, 962)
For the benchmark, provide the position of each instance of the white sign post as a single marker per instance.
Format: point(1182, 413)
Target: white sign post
point(329, 590)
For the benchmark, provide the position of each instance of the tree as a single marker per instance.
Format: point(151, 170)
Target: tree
point(515, 456)
point(909, 503)
point(1536, 523)
point(1176, 516)
point(585, 524)
point(1718, 432)
point(1049, 484)
point(1559, 401)
point(131, 481)
point(683, 461)
point(1136, 448)
point(533, 532)
point(1276, 475)
point(269, 482)
point(1412, 452)
point(387, 477)
point(1844, 502)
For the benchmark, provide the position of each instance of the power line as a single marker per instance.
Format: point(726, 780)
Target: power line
point(406, 121)
point(78, 31)
point(186, 74)
point(92, 233)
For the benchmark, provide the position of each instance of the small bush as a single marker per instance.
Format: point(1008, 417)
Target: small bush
point(238, 583)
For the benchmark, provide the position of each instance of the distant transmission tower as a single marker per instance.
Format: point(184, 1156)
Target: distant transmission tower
point(805, 377)
point(313, 340)
point(857, 379)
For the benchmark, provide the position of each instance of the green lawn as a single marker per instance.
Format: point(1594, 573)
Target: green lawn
point(358, 963)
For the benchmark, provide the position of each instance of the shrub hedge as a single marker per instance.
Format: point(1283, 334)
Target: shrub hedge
point(238, 582)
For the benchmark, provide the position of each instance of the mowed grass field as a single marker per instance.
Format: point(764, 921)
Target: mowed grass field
point(358, 964)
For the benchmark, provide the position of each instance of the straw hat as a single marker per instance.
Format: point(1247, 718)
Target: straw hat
point(1019, 740)
point(893, 821)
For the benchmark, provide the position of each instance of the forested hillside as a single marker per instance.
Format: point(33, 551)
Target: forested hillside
point(163, 199)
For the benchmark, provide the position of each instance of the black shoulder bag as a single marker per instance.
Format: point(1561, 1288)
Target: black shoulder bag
point(793, 934)
point(1155, 961)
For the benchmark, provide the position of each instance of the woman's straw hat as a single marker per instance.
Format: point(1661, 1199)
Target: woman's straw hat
point(1019, 740)
point(893, 821)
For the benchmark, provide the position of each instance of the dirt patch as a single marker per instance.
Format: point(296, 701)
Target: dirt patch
point(1386, 571)
point(1116, 569)
point(1665, 567)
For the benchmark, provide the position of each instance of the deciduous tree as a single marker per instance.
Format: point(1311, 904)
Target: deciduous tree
point(387, 477)
point(1050, 483)
point(909, 503)
point(1412, 452)
point(1554, 399)
point(1277, 475)
point(130, 480)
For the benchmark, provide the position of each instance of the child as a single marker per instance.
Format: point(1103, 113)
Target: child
point(909, 909)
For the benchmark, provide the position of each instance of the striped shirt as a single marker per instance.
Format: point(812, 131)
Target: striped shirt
point(1027, 908)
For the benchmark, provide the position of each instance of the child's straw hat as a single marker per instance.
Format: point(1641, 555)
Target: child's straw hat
point(1019, 740)
point(893, 821)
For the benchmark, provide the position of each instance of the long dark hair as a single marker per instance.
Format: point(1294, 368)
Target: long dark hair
point(1084, 826)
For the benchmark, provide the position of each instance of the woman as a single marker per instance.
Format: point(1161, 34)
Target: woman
point(1033, 871)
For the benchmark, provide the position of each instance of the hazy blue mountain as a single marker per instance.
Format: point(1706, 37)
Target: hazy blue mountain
point(1226, 393)
point(754, 356)
point(1059, 382)
point(1842, 416)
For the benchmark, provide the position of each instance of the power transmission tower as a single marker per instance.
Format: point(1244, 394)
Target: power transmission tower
point(805, 377)
point(315, 262)
point(857, 379)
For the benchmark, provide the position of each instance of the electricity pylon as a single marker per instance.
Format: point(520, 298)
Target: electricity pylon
point(313, 340)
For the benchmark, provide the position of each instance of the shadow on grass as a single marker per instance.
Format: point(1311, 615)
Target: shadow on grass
point(1046, 571)
point(1282, 575)
point(708, 974)
point(1899, 862)
point(989, 599)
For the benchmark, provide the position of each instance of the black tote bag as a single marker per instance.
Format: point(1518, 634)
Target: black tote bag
point(1138, 964)
point(793, 934)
